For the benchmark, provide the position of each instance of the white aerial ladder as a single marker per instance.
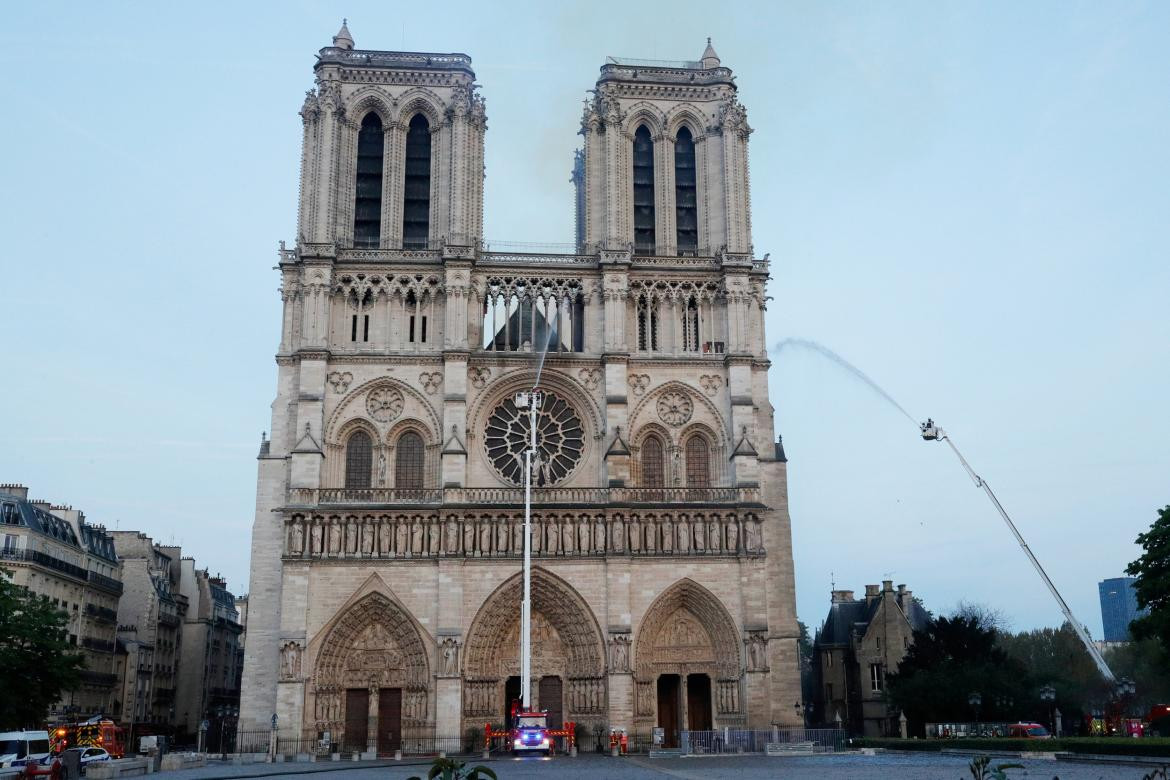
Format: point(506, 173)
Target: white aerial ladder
point(931, 432)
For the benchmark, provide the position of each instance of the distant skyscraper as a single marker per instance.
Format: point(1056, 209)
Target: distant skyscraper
point(1118, 607)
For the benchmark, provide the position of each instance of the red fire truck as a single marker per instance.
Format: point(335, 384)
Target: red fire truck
point(100, 733)
point(529, 733)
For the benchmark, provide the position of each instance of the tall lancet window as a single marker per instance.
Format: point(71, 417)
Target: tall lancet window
point(408, 462)
point(653, 463)
point(416, 191)
point(686, 214)
point(367, 206)
point(359, 460)
point(643, 191)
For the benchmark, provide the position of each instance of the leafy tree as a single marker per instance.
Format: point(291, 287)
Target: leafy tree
point(1147, 663)
point(35, 654)
point(1152, 588)
point(1056, 657)
point(948, 660)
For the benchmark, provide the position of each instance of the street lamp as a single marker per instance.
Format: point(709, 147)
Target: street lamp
point(1048, 695)
point(975, 700)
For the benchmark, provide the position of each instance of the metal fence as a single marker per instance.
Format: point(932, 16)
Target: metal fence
point(730, 740)
point(323, 743)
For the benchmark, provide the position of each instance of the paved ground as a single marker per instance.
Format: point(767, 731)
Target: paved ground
point(590, 767)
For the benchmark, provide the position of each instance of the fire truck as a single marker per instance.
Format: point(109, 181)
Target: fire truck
point(529, 732)
point(95, 732)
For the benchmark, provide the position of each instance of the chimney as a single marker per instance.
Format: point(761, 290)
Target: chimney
point(44, 506)
point(871, 593)
point(13, 489)
point(888, 586)
point(842, 596)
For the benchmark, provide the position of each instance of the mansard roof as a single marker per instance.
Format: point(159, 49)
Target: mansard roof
point(856, 614)
point(21, 512)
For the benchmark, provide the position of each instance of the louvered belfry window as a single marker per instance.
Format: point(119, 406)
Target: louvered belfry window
point(367, 207)
point(643, 191)
point(359, 460)
point(698, 462)
point(686, 213)
point(653, 465)
point(416, 195)
point(408, 462)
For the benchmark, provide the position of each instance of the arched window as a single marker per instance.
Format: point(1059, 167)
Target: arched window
point(408, 462)
point(359, 460)
point(686, 214)
point(367, 206)
point(643, 191)
point(690, 326)
point(653, 463)
point(698, 462)
point(416, 191)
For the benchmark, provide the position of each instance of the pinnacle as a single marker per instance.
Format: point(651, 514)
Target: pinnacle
point(710, 58)
point(343, 40)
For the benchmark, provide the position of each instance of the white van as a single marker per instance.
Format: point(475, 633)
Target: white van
point(18, 748)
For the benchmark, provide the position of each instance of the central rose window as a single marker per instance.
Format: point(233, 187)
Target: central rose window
point(560, 440)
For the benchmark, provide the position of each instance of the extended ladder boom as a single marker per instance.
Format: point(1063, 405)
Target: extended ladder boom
point(931, 432)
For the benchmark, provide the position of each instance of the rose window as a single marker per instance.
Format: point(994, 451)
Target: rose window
point(384, 403)
point(560, 440)
point(675, 408)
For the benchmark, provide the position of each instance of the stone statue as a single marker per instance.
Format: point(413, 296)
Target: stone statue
point(468, 536)
point(619, 535)
point(351, 536)
point(400, 532)
point(501, 536)
point(684, 535)
point(485, 538)
point(416, 537)
point(756, 647)
point(667, 534)
point(298, 540)
point(434, 530)
point(552, 537)
point(382, 468)
point(583, 535)
point(700, 529)
point(334, 536)
point(599, 534)
point(620, 653)
point(367, 537)
point(752, 534)
point(385, 537)
point(635, 535)
point(451, 533)
point(316, 537)
point(450, 657)
point(713, 529)
point(568, 535)
point(732, 535)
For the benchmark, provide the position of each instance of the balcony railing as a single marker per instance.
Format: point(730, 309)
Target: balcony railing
point(98, 645)
point(552, 496)
point(103, 614)
point(46, 560)
point(98, 678)
point(105, 583)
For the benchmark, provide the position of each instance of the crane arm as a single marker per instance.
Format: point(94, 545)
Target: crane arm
point(931, 432)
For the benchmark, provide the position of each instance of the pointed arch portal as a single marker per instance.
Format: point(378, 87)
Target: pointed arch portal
point(568, 659)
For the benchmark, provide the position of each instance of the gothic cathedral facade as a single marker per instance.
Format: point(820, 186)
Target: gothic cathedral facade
point(386, 550)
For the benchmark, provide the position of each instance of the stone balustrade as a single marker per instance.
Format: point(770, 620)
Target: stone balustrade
point(497, 496)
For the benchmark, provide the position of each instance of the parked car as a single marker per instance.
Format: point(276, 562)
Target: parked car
point(88, 755)
point(1028, 731)
point(18, 748)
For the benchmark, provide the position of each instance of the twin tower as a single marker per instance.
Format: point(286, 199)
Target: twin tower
point(386, 547)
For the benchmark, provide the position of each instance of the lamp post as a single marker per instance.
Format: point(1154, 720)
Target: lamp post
point(1048, 695)
point(1125, 692)
point(975, 700)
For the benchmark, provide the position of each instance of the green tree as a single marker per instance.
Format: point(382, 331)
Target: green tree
point(1152, 570)
point(1056, 657)
point(1147, 663)
point(35, 654)
point(948, 660)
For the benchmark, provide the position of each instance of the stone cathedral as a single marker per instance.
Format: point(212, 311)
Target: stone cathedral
point(386, 551)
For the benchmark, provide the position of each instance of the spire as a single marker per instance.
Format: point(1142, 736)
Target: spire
point(343, 40)
point(710, 58)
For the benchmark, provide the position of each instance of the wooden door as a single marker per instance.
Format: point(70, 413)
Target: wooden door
point(551, 701)
point(698, 702)
point(357, 718)
point(668, 704)
point(389, 720)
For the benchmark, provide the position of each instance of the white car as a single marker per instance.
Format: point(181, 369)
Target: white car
point(88, 755)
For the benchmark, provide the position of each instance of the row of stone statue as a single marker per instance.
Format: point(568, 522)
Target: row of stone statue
point(387, 536)
point(328, 706)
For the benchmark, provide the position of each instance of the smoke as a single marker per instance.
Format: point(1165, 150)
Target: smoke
point(824, 351)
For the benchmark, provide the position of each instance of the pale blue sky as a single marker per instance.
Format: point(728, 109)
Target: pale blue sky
point(968, 200)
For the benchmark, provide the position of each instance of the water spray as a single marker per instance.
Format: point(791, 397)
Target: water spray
point(931, 432)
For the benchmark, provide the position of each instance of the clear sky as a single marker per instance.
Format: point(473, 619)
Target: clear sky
point(968, 200)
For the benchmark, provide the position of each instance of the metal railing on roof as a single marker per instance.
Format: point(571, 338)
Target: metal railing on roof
point(634, 62)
